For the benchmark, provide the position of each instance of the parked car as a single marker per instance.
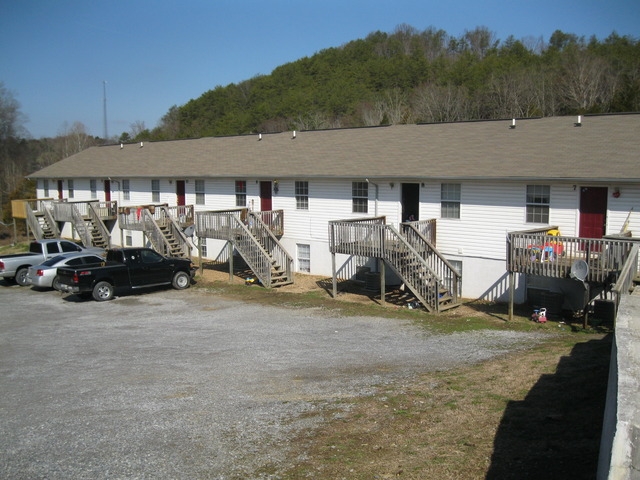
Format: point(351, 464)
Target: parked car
point(126, 268)
point(15, 267)
point(45, 275)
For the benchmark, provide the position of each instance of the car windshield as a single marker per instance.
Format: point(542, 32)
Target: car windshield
point(53, 260)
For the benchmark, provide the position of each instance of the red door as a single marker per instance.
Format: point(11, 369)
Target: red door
point(593, 212)
point(265, 196)
point(107, 190)
point(180, 191)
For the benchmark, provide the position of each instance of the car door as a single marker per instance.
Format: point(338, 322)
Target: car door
point(149, 268)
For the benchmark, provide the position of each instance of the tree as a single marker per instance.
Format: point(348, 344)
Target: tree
point(11, 118)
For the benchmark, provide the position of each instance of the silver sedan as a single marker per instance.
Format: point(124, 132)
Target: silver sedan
point(45, 274)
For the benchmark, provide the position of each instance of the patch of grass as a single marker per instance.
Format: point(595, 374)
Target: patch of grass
point(521, 423)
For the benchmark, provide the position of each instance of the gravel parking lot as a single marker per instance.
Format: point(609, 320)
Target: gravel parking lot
point(184, 384)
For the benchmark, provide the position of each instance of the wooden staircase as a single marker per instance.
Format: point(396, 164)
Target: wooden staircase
point(424, 271)
point(40, 220)
point(254, 241)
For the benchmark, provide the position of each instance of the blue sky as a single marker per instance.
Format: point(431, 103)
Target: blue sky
point(55, 55)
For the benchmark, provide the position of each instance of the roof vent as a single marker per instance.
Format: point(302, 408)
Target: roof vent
point(294, 135)
point(513, 123)
point(259, 136)
point(121, 146)
point(579, 122)
point(141, 144)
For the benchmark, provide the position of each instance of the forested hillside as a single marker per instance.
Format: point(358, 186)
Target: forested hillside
point(406, 76)
point(420, 76)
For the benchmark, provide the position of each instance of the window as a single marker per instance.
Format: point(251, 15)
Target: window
point(128, 238)
point(302, 195)
point(450, 200)
point(126, 192)
point(94, 188)
point(155, 191)
point(45, 185)
point(241, 193)
point(304, 257)
point(70, 188)
point(360, 197)
point(203, 250)
point(538, 199)
point(199, 192)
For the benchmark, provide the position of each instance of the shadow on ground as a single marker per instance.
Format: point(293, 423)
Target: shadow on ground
point(554, 433)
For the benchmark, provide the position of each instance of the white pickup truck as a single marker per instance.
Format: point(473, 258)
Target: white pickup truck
point(14, 267)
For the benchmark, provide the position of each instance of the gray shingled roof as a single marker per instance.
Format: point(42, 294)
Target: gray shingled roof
point(604, 148)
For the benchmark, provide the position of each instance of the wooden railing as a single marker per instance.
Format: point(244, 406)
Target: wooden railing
point(414, 259)
point(183, 214)
point(628, 273)
point(447, 274)
point(174, 226)
point(426, 228)
point(95, 211)
point(361, 237)
point(266, 236)
point(273, 219)
point(131, 218)
point(154, 234)
point(252, 238)
point(537, 253)
point(43, 207)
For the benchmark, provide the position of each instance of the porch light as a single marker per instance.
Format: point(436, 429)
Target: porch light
point(276, 187)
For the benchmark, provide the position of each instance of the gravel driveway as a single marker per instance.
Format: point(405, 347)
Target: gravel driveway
point(185, 385)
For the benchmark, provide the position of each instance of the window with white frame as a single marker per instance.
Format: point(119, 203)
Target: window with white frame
point(45, 186)
point(93, 186)
point(70, 188)
point(241, 193)
point(128, 238)
point(538, 200)
point(126, 191)
point(302, 195)
point(304, 257)
point(155, 191)
point(203, 250)
point(450, 200)
point(200, 192)
point(360, 197)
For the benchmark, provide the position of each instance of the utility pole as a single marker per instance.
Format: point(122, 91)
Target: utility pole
point(104, 108)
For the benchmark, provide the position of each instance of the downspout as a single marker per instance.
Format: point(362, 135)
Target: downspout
point(375, 185)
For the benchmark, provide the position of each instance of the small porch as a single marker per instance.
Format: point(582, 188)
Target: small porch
point(602, 265)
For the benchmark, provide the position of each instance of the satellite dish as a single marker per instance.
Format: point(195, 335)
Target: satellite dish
point(579, 270)
point(189, 231)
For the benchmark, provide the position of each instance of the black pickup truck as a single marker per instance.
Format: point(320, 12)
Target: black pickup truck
point(126, 268)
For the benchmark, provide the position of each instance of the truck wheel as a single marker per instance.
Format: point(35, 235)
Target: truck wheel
point(56, 284)
point(102, 291)
point(181, 280)
point(21, 276)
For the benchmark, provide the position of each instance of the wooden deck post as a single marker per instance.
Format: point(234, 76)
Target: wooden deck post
point(230, 262)
point(511, 294)
point(334, 292)
point(383, 283)
point(200, 255)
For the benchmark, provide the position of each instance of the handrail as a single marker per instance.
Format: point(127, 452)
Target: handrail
point(131, 218)
point(98, 223)
point(267, 238)
point(154, 234)
point(417, 274)
point(176, 231)
point(550, 255)
point(273, 219)
point(46, 209)
point(426, 228)
point(627, 274)
point(80, 225)
point(33, 223)
point(445, 271)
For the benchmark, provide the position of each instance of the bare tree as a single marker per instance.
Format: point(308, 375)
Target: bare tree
point(480, 41)
point(433, 103)
point(395, 105)
point(586, 82)
point(11, 118)
point(136, 128)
